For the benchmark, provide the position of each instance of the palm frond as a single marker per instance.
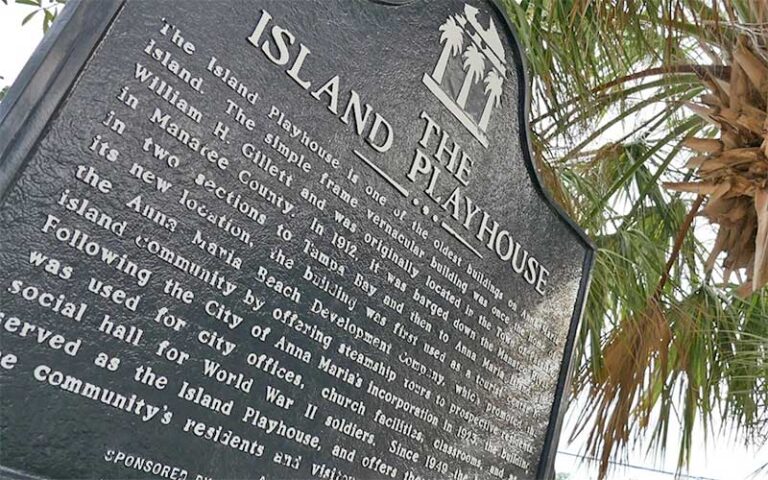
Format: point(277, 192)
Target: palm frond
point(665, 341)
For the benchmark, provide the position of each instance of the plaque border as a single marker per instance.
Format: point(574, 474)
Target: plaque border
point(46, 80)
point(39, 91)
point(52, 71)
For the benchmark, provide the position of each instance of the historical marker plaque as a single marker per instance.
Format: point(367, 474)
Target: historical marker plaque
point(279, 239)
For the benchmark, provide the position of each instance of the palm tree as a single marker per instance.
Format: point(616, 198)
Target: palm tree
point(474, 65)
point(452, 39)
point(493, 83)
point(675, 329)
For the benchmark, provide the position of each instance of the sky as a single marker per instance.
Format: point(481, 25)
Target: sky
point(719, 459)
point(16, 43)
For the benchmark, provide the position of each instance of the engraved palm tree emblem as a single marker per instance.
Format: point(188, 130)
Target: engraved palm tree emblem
point(452, 38)
point(472, 55)
point(493, 84)
point(474, 65)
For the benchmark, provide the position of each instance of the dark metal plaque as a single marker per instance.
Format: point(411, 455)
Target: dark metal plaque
point(280, 239)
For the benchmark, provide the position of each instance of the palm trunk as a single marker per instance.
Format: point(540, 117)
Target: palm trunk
point(485, 118)
point(464, 92)
point(442, 62)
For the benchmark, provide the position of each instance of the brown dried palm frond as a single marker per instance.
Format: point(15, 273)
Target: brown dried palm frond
point(732, 171)
point(612, 406)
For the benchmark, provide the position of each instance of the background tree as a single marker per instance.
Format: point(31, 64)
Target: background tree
point(46, 10)
point(672, 333)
